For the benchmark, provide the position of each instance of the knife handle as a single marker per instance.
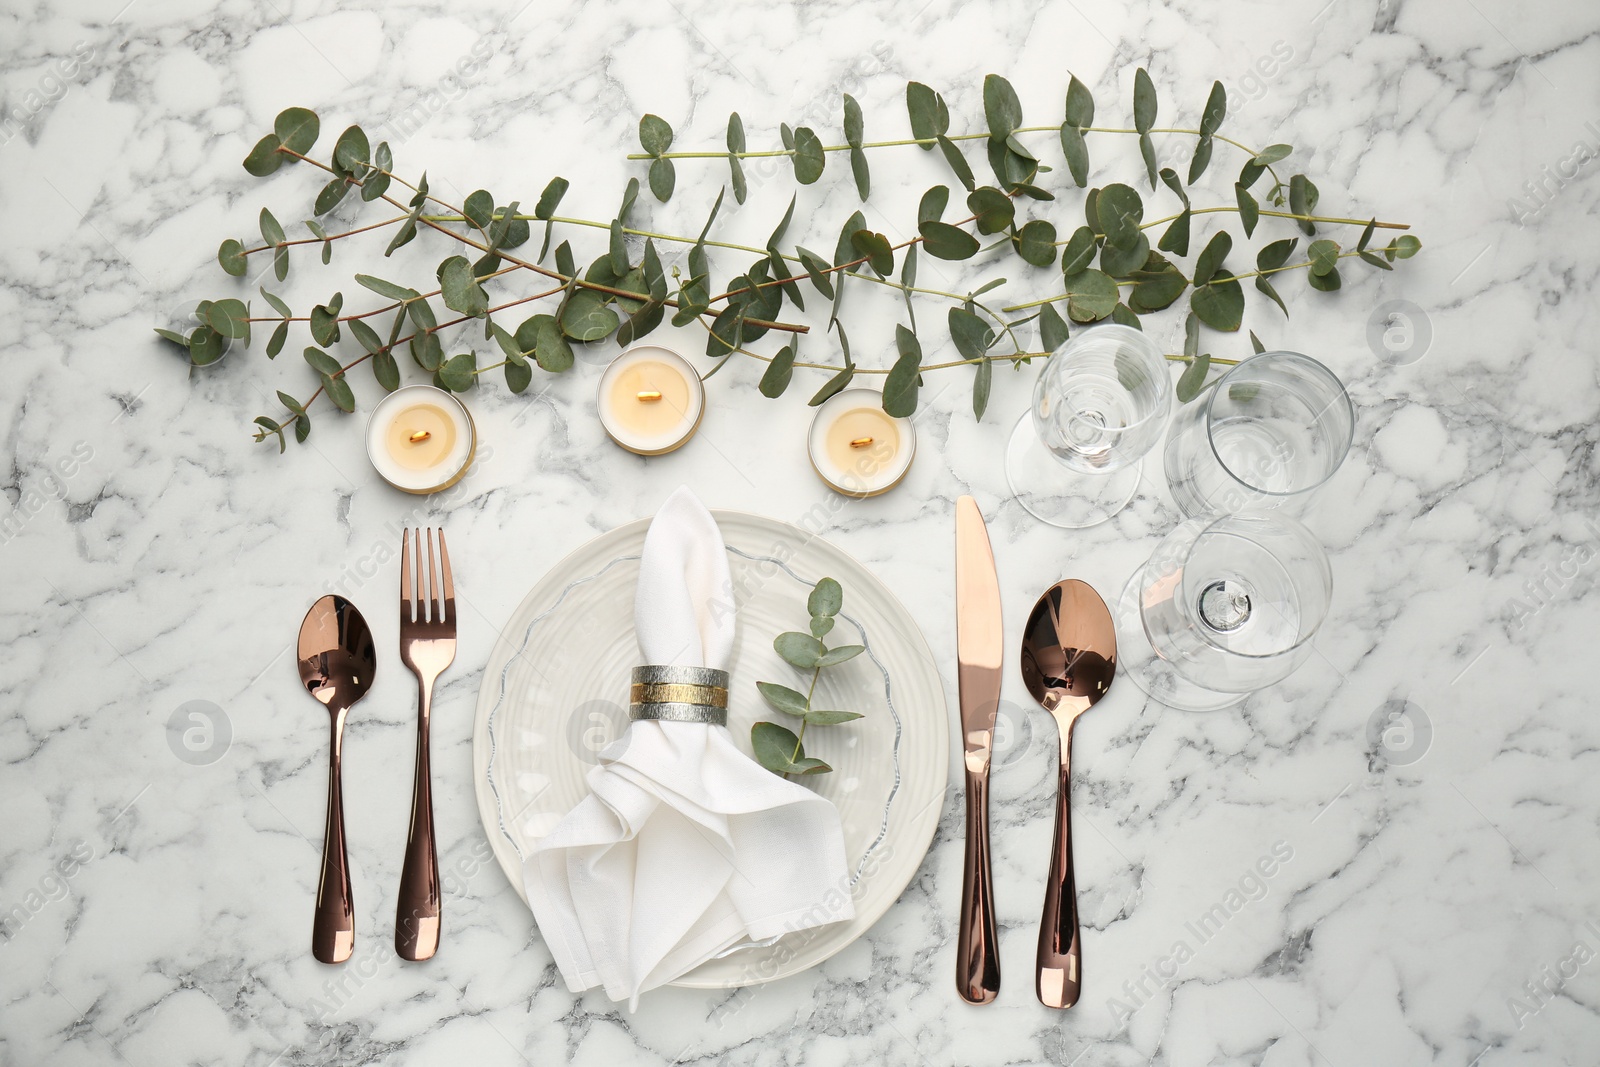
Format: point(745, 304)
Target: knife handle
point(1060, 974)
point(977, 947)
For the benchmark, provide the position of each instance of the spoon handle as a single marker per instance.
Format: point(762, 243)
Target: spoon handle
point(333, 934)
point(1060, 975)
point(977, 946)
point(416, 921)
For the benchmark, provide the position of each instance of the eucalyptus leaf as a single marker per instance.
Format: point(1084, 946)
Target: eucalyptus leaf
point(1144, 101)
point(1080, 250)
point(518, 376)
point(972, 335)
point(339, 392)
point(1193, 378)
point(799, 650)
point(958, 163)
point(931, 207)
point(585, 316)
point(1211, 257)
point(1122, 262)
point(386, 370)
point(1249, 209)
point(829, 718)
point(1091, 295)
point(840, 654)
point(994, 209)
point(944, 241)
point(1119, 210)
point(351, 151)
point(550, 199)
point(1052, 328)
point(1176, 237)
point(1220, 305)
point(809, 159)
point(1036, 242)
point(663, 177)
point(1001, 108)
point(784, 699)
point(825, 599)
point(231, 257)
point(982, 383)
point(265, 158)
point(1076, 152)
point(461, 291)
point(386, 288)
point(1324, 256)
point(900, 385)
point(1303, 201)
point(459, 372)
point(929, 118)
point(655, 135)
point(365, 335)
point(875, 248)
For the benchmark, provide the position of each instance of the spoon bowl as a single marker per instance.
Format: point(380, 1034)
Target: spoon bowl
point(337, 660)
point(1069, 657)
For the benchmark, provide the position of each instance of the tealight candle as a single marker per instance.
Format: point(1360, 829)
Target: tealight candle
point(856, 447)
point(650, 400)
point(420, 439)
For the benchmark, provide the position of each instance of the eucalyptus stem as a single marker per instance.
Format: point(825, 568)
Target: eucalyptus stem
point(1219, 278)
point(904, 141)
point(1234, 209)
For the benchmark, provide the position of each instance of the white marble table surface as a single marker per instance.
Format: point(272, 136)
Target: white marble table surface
point(1431, 904)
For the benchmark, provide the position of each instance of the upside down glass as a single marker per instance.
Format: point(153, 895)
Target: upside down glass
point(1225, 606)
point(1101, 402)
point(1271, 429)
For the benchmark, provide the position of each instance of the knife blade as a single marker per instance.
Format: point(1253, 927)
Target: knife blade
point(980, 645)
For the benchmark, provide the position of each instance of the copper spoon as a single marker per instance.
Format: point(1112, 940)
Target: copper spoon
point(337, 661)
point(1069, 655)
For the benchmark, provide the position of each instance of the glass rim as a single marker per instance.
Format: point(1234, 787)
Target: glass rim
point(1327, 576)
point(1344, 394)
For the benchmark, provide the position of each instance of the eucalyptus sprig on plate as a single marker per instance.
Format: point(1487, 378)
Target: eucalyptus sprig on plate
point(779, 749)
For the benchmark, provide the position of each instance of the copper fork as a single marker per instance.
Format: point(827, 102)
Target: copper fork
point(427, 646)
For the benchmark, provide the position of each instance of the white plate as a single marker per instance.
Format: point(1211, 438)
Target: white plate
point(555, 693)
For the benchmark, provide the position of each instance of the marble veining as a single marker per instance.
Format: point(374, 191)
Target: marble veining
point(1388, 859)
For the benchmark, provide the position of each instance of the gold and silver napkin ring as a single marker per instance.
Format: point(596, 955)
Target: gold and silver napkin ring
point(680, 694)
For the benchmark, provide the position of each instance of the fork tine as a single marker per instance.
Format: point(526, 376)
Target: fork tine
point(449, 586)
point(435, 601)
point(405, 575)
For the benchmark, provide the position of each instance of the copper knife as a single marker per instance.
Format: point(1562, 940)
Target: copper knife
point(979, 648)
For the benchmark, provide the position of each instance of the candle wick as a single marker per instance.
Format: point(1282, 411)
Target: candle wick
point(861, 442)
point(419, 436)
point(649, 396)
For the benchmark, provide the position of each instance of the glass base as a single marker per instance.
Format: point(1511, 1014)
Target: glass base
point(1137, 659)
point(1052, 492)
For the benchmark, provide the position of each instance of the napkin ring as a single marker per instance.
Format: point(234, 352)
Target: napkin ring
point(680, 694)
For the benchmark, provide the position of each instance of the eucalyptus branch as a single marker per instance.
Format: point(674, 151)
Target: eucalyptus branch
point(565, 279)
point(1113, 265)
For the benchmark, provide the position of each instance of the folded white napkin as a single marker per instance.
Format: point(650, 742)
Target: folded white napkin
point(685, 846)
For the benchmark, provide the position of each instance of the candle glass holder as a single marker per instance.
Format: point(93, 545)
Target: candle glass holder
point(1267, 433)
point(1100, 403)
point(421, 439)
point(650, 400)
point(856, 447)
point(1225, 606)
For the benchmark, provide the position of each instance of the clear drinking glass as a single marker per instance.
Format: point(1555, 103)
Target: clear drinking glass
point(1101, 402)
point(1225, 606)
point(1274, 427)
